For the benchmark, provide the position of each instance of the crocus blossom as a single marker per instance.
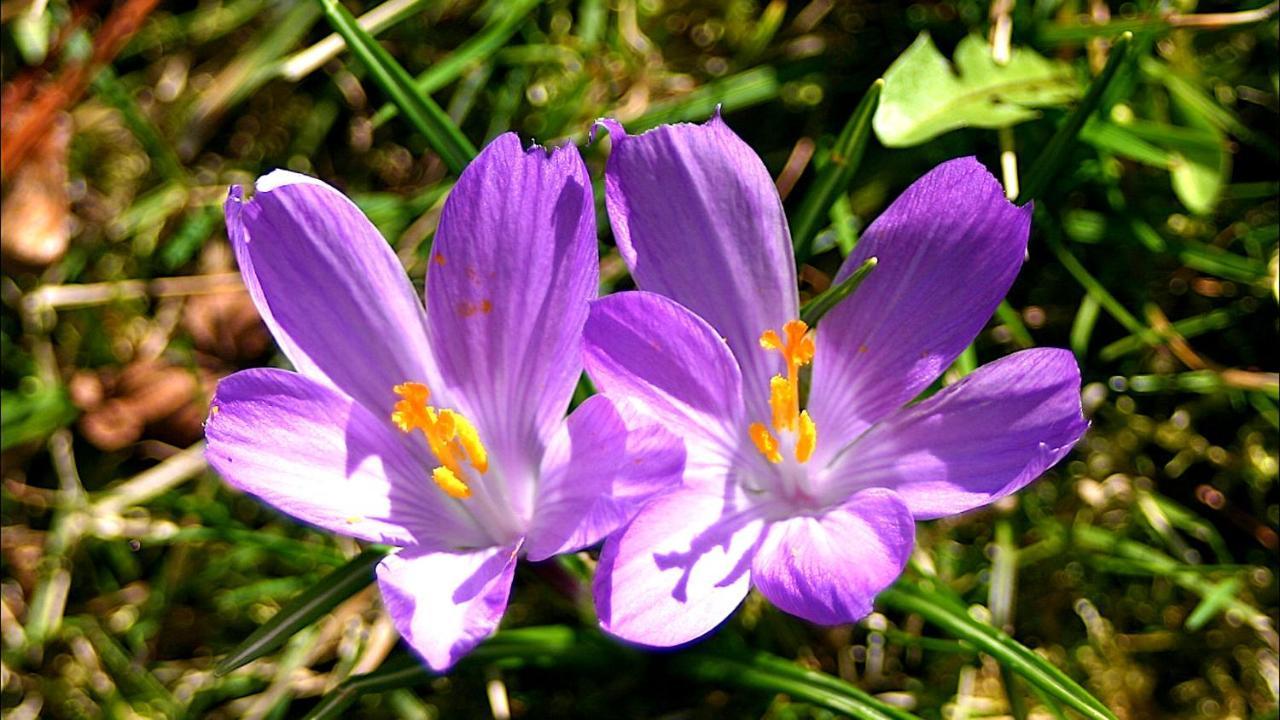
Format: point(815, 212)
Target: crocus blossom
point(441, 432)
point(813, 505)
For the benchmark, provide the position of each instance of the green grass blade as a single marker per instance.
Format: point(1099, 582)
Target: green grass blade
point(1100, 293)
point(834, 179)
point(908, 596)
point(762, 671)
point(162, 155)
point(813, 310)
point(469, 53)
point(304, 610)
point(426, 116)
point(403, 670)
point(747, 88)
point(1082, 326)
point(1193, 96)
point(1049, 163)
point(1012, 320)
point(1196, 325)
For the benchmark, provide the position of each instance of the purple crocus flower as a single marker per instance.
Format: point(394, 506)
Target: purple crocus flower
point(813, 506)
point(439, 432)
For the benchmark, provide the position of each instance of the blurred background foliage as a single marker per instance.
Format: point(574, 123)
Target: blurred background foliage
point(1143, 567)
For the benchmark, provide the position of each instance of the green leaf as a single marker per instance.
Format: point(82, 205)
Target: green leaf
point(1201, 165)
point(747, 88)
point(924, 98)
point(813, 310)
point(475, 50)
point(761, 671)
point(552, 643)
point(1121, 141)
point(304, 610)
point(33, 413)
point(1050, 161)
point(1189, 95)
point(834, 179)
point(922, 599)
point(423, 112)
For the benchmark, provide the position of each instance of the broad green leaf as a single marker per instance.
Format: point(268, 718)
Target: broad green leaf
point(923, 97)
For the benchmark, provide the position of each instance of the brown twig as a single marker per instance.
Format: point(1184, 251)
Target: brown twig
point(28, 121)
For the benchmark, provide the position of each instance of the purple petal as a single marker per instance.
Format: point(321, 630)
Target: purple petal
point(645, 347)
point(316, 454)
point(976, 441)
point(698, 219)
point(949, 249)
point(677, 571)
point(828, 569)
point(444, 604)
point(513, 267)
point(329, 287)
point(603, 464)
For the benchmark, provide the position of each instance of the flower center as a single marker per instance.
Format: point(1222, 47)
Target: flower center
point(451, 436)
point(797, 348)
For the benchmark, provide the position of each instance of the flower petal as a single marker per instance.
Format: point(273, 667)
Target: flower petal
point(828, 569)
point(697, 218)
point(650, 349)
point(444, 604)
point(948, 249)
point(513, 267)
point(976, 441)
point(329, 287)
point(603, 464)
point(677, 571)
point(321, 457)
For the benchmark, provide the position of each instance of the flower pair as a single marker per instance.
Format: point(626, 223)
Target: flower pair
point(701, 461)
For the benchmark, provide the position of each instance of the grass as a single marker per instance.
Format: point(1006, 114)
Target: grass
point(1135, 580)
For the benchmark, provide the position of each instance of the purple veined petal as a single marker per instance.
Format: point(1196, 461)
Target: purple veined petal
point(828, 569)
point(604, 463)
point(948, 249)
point(318, 455)
point(678, 570)
point(444, 604)
point(329, 287)
point(697, 218)
point(651, 350)
point(513, 267)
point(973, 442)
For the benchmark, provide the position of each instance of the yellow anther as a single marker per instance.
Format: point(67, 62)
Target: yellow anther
point(450, 484)
point(451, 437)
point(797, 348)
point(470, 439)
point(765, 442)
point(783, 403)
point(807, 438)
